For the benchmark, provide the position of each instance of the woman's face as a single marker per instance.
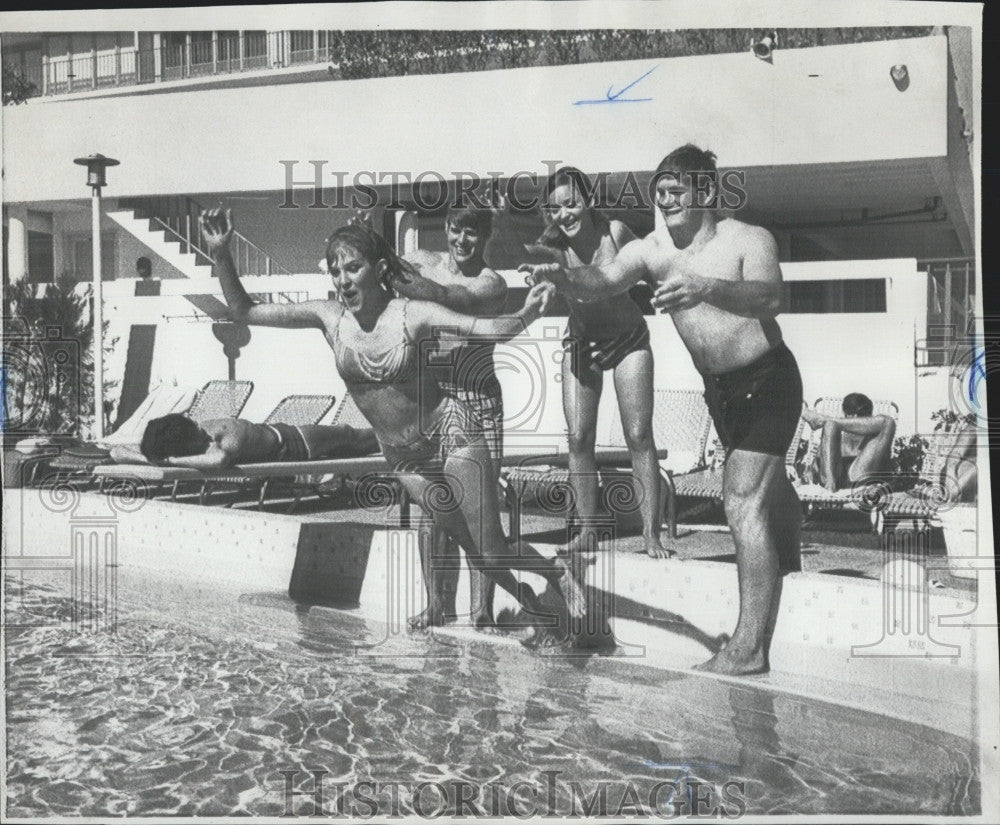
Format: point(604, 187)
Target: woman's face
point(566, 208)
point(354, 276)
point(464, 242)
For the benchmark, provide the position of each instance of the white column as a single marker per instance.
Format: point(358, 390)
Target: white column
point(17, 243)
point(407, 232)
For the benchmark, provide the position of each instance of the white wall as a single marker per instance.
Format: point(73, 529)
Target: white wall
point(228, 140)
point(870, 353)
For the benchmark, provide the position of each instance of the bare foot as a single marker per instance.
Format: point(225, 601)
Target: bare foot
point(485, 623)
point(546, 638)
point(430, 616)
point(655, 550)
point(730, 662)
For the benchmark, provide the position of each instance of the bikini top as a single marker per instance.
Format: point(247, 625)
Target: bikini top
point(396, 364)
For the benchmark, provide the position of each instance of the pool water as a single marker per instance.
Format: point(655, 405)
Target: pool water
point(202, 698)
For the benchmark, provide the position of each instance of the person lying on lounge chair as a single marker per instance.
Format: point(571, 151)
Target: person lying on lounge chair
point(178, 441)
point(959, 476)
point(854, 447)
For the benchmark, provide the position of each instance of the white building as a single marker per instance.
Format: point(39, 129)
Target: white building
point(857, 157)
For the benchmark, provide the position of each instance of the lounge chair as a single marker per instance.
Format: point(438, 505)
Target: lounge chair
point(217, 399)
point(77, 460)
point(926, 498)
point(707, 483)
point(298, 410)
point(680, 430)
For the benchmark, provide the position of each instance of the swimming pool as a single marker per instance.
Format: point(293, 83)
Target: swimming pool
point(203, 698)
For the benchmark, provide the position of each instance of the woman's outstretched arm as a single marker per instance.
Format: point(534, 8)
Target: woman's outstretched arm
point(217, 229)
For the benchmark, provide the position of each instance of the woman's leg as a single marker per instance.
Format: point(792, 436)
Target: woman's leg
point(468, 472)
point(581, 398)
point(634, 385)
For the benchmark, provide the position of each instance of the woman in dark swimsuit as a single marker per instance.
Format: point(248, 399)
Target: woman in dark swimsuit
point(609, 335)
point(426, 436)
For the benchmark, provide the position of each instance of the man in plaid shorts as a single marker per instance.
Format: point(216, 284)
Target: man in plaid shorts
point(461, 280)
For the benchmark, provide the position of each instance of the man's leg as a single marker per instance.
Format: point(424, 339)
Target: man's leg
point(829, 455)
point(875, 454)
point(634, 385)
point(754, 501)
point(432, 534)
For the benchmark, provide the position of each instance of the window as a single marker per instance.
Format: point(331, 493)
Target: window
point(83, 259)
point(858, 295)
point(41, 264)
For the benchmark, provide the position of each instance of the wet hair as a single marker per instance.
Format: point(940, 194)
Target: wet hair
point(172, 435)
point(568, 176)
point(686, 159)
point(689, 160)
point(359, 235)
point(471, 217)
point(857, 405)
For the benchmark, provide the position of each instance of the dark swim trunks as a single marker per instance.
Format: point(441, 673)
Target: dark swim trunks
point(292, 444)
point(757, 407)
point(605, 353)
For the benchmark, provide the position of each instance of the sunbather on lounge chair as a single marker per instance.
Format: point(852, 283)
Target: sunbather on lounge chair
point(854, 447)
point(178, 441)
point(958, 473)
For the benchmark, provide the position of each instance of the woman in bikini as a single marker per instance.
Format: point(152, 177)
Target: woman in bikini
point(610, 335)
point(427, 437)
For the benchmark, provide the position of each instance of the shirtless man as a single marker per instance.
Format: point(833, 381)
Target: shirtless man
point(854, 447)
point(460, 280)
point(720, 280)
point(178, 441)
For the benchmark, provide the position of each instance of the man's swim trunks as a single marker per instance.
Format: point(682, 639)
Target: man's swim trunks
point(606, 353)
point(453, 426)
point(485, 402)
point(757, 407)
point(292, 444)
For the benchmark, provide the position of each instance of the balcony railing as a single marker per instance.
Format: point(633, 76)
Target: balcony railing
point(951, 312)
point(194, 58)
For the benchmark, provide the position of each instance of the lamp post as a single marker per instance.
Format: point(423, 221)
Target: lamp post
point(96, 165)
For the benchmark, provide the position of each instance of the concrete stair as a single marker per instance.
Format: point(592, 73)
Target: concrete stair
point(163, 244)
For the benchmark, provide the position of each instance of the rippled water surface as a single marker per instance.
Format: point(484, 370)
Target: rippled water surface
point(201, 699)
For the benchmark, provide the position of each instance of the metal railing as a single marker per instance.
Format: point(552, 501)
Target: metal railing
point(951, 314)
point(178, 216)
point(203, 54)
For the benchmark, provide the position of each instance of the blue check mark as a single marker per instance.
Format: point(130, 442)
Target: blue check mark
point(616, 97)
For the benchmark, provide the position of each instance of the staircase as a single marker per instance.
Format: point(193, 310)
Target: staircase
point(169, 227)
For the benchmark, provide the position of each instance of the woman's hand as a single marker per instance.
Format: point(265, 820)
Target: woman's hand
point(539, 273)
point(216, 228)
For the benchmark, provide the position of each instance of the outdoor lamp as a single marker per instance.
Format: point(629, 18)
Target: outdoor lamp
point(96, 164)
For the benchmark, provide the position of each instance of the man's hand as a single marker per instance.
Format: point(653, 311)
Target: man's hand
point(546, 253)
point(539, 273)
point(679, 292)
point(216, 228)
point(538, 298)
